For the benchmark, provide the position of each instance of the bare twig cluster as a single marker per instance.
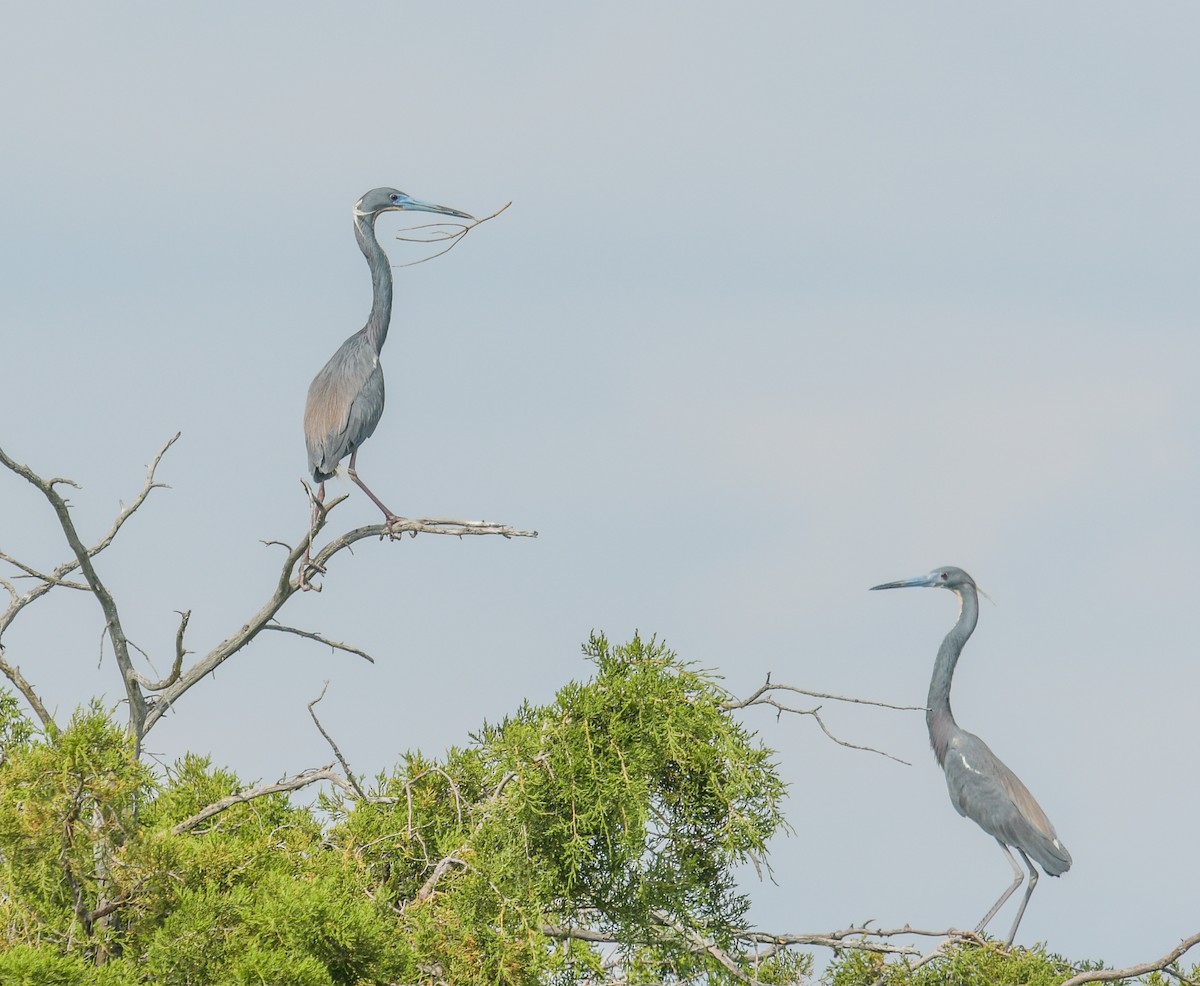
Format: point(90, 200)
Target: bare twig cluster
point(442, 232)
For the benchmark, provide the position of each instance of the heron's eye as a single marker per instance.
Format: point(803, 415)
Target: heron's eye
point(944, 576)
point(394, 198)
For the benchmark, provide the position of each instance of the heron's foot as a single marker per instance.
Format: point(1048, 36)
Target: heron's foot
point(302, 574)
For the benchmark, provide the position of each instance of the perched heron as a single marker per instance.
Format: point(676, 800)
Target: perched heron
point(345, 400)
point(981, 787)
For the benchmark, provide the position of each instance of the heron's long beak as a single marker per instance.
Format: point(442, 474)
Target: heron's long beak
point(905, 583)
point(416, 205)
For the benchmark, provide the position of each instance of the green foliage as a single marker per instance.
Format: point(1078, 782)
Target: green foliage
point(15, 728)
point(620, 809)
point(593, 838)
point(1182, 975)
point(67, 806)
point(961, 965)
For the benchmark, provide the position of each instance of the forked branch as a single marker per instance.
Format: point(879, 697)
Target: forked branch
point(442, 232)
point(82, 560)
point(288, 583)
point(764, 695)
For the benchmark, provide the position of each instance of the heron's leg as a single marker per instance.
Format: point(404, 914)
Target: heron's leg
point(363, 486)
point(306, 561)
point(1018, 876)
point(1033, 879)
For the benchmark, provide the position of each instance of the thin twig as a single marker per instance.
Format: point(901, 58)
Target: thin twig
point(454, 237)
point(334, 644)
point(31, 572)
point(83, 559)
point(333, 746)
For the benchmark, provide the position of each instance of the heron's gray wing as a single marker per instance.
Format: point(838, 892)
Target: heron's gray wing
point(986, 791)
point(345, 402)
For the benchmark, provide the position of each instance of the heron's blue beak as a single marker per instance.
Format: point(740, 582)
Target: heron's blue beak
point(416, 205)
point(905, 583)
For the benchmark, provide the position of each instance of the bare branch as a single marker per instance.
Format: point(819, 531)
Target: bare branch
point(326, 773)
point(442, 232)
point(333, 746)
point(83, 560)
point(177, 666)
point(21, 683)
point(767, 944)
point(150, 484)
point(144, 713)
point(286, 585)
point(431, 525)
point(1154, 965)
point(336, 645)
point(31, 572)
point(756, 698)
point(763, 695)
point(815, 713)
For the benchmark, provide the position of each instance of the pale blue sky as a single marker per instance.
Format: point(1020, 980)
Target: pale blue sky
point(792, 299)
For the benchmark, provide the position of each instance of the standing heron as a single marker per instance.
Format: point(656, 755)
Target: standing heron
point(982, 788)
point(345, 400)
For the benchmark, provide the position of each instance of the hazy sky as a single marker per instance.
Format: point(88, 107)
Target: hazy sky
point(792, 299)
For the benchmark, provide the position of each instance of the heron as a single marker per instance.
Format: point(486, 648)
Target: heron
point(981, 787)
point(345, 400)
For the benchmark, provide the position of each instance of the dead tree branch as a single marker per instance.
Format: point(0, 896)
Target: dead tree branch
point(13, 674)
point(767, 944)
point(82, 560)
point(304, 779)
point(763, 695)
point(286, 585)
point(334, 644)
point(358, 790)
point(145, 711)
point(177, 665)
point(1154, 965)
point(442, 232)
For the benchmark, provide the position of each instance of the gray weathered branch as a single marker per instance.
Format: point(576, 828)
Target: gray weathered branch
point(83, 556)
point(319, 638)
point(304, 779)
point(1154, 965)
point(288, 584)
point(354, 784)
point(763, 696)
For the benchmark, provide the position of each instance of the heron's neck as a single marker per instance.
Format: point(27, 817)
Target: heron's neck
point(381, 281)
point(939, 718)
